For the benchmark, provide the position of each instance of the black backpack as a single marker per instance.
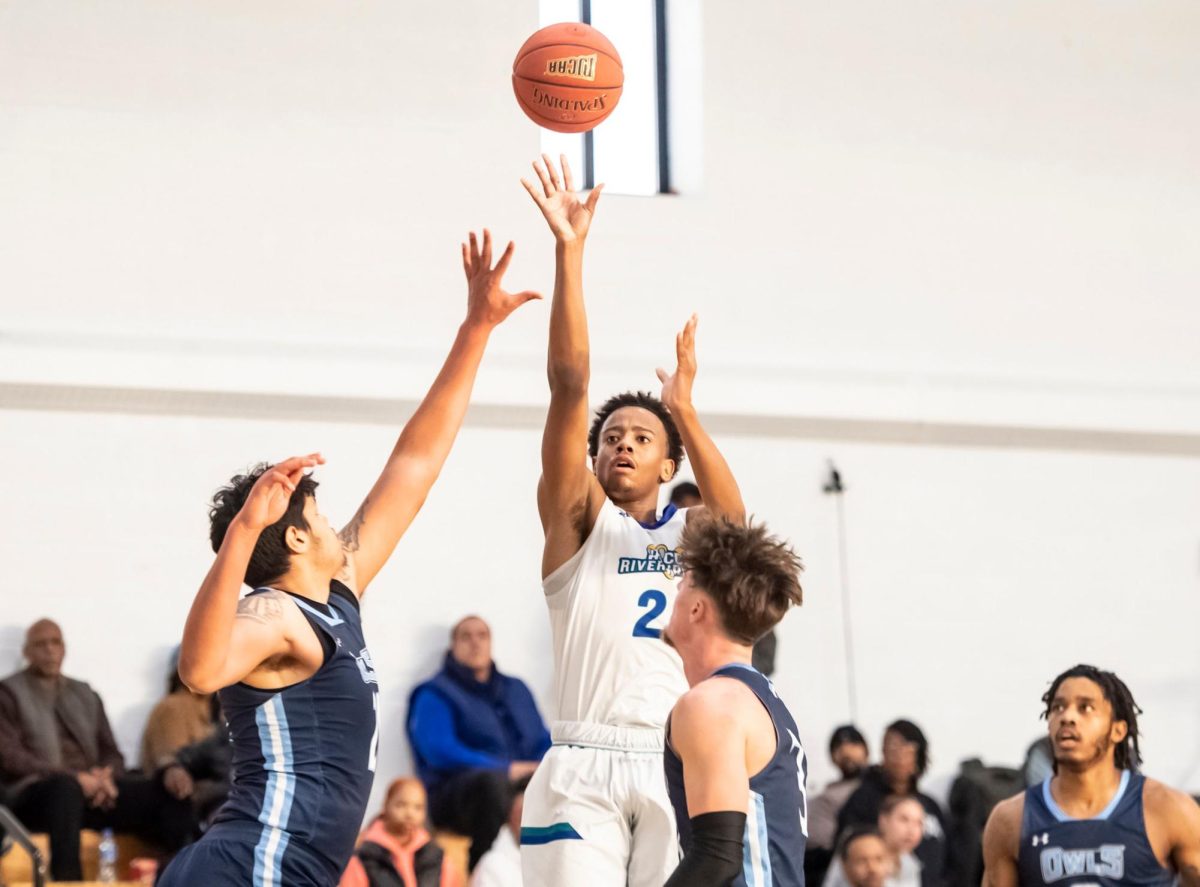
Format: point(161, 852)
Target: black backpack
point(975, 792)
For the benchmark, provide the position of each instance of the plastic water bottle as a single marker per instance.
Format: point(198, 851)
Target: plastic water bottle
point(108, 858)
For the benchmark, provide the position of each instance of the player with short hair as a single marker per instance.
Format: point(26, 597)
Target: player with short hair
point(596, 811)
point(735, 766)
point(1097, 820)
point(289, 660)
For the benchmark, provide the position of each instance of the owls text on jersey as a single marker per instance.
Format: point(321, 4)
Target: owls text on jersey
point(1108, 849)
point(608, 605)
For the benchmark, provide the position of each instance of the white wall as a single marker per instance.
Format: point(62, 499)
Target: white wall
point(945, 210)
point(937, 214)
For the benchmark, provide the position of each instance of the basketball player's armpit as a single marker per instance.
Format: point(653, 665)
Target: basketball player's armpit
point(264, 608)
point(1189, 874)
point(714, 857)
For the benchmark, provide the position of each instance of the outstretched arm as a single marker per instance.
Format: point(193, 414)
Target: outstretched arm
point(225, 639)
point(567, 491)
point(718, 488)
point(425, 442)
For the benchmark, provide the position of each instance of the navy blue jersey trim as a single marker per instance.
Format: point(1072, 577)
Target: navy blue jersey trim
point(343, 591)
point(774, 725)
point(1057, 812)
point(668, 513)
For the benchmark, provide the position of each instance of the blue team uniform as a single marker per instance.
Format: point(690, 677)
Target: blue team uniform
point(1110, 849)
point(777, 815)
point(303, 764)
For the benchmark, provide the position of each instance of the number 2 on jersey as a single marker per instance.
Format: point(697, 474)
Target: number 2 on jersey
point(657, 602)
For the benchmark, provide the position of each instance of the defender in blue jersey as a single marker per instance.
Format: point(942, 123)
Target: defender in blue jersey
point(1097, 821)
point(735, 766)
point(289, 660)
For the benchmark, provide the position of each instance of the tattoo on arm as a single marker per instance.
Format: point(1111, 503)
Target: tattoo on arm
point(262, 608)
point(349, 534)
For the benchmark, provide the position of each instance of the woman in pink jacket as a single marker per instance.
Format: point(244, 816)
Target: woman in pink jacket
point(396, 850)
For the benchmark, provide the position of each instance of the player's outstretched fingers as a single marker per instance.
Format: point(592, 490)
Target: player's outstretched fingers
point(593, 199)
point(299, 463)
point(486, 255)
point(505, 258)
point(537, 196)
point(553, 172)
point(544, 176)
point(568, 179)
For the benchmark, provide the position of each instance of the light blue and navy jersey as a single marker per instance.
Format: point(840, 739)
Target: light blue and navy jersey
point(304, 756)
point(1109, 849)
point(777, 813)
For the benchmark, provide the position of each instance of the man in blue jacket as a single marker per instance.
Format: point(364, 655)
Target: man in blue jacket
point(473, 730)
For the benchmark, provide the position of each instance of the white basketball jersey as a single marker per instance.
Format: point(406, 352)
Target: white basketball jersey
point(608, 606)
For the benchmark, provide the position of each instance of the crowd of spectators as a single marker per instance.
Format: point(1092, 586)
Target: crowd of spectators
point(476, 737)
point(61, 770)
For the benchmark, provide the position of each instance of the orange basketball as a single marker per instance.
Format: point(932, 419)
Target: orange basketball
point(568, 77)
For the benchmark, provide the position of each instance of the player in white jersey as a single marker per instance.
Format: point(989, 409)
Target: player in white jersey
point(597, 810)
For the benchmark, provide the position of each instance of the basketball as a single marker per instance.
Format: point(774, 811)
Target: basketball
point(568, 77)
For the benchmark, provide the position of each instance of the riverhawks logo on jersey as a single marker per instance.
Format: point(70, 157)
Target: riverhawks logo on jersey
point(1107, 861)
point(658, 559)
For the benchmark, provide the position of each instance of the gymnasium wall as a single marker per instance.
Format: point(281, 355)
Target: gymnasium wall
point(951, 246)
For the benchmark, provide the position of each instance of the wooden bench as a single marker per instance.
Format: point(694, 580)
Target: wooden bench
point(17, 868)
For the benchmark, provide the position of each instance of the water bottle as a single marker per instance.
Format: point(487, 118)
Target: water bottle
point(108, 858)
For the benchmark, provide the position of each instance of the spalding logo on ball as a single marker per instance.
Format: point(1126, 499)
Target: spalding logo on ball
point(568, 77)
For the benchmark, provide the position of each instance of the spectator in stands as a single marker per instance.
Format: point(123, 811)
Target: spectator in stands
point(902, 827)
point(901, 821)
point(686, 494)
point(863, 856)
point(501, 865)
point(472, 730)
point(904, 761)
point(180, 718)
point(848, 751)
point(61, 765)
point(396, 849)
point(200, 773)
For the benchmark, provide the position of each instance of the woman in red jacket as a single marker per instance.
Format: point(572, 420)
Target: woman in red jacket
point(396, 850)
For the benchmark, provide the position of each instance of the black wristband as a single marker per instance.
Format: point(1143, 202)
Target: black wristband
point(714, 855)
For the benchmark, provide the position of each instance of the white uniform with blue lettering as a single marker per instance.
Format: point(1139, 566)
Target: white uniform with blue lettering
point(597, 811)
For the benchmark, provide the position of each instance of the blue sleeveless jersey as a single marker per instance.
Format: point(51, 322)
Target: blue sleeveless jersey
point(1108, 850)
point(304, 756)
point(777, 815)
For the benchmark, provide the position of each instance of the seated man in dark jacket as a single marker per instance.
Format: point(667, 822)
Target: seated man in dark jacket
point(472, 730)
point(904, 760)
point(201, 773)
point(62, 768)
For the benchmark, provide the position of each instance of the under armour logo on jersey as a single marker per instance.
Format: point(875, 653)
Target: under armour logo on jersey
point(1043, 839)
point(338, 641)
